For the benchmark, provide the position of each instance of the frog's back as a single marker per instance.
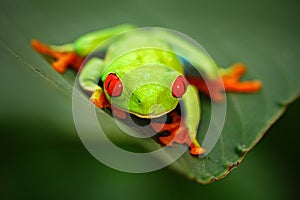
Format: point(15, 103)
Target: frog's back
point(137, 49)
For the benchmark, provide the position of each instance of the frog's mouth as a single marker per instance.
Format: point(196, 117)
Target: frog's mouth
point(148, 116)
point(154, 112)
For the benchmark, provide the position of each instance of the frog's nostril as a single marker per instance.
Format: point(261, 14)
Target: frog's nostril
point(136, 99)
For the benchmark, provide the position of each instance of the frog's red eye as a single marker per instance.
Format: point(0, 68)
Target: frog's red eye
point(113, 85)
point(179, 87)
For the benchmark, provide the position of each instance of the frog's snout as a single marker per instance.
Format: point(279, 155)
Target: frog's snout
point(152, 100)
point(150, 107)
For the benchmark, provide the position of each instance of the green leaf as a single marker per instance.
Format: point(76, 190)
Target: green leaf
point(268, 48)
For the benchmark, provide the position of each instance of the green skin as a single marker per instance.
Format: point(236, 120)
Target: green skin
point(145, 64)
point(145, 94)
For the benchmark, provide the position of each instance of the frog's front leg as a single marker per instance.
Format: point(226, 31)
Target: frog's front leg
point(192, 116)
point(88, 80)
point(183, 130)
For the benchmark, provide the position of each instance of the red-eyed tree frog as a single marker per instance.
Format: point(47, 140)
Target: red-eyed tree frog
point(159, 74)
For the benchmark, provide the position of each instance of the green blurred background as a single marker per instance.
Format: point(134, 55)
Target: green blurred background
point(42, 156)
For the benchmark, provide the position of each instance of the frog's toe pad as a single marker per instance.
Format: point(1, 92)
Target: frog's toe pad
point(232, 83)
point(197, 150)
point(96, 102)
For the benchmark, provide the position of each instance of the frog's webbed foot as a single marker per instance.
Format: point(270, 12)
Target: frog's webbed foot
point(99, 99)
point(62, 59)
point(229, 81)
point(196, 149)
point(179, 133)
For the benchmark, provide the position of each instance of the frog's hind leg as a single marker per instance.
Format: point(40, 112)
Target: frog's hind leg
point(73, 54)
point(63, 59)
point(229, 81)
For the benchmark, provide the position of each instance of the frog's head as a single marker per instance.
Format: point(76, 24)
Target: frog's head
point(147, 91)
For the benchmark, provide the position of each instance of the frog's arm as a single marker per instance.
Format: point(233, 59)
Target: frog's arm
point(90, 74)
point(88, 80)
point(183, 131)
point(191, 104)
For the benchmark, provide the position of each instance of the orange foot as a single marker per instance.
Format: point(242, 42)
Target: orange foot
point(99, 99)
point(230, 81)
point(196, 149)
point(62, 59)
point(179, 133)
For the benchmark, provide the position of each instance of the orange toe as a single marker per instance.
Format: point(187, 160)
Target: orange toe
point(244, 87)
point(232, 81)
point(238, 70)
point(197, 150)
